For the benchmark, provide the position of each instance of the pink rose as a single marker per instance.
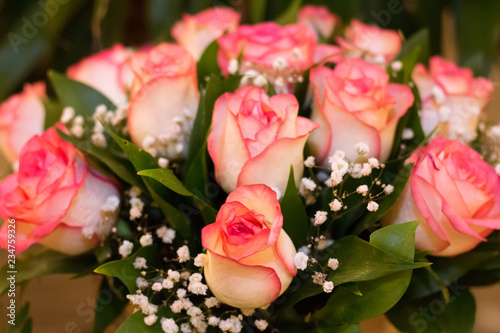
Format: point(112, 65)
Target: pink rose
point(254, 139)
point(325, 53)
point(278, 54)
point(21, 117)
point(56, 198)
point(454, 195)
point(196, 32)
point(376, 45)
point(452, 99)
point(163, 100)
point(106, 72)
point(249, 260)
point(319, 19)
point(355, 103)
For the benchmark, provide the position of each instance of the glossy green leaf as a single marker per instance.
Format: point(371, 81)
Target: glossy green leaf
point(124, 270)
point(295, 220)
point(111, 301)
point(420, 40)
point(167, 178)
point(83, 98)
point(53, 111)
point(207, 65)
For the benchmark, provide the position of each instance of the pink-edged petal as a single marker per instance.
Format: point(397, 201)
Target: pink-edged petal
point(458, 221)
point(287, 108)
point(226, 145)
point(324, 53)
point(286, 251)
point(404, 99)
point(256, 244)
point(424, 81)
point(241, 286)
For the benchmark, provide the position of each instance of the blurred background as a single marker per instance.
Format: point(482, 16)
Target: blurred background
point(37, 35)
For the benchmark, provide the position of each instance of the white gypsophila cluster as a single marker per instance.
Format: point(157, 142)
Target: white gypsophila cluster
point(168, 325)
point(211, 302)
point(362, 189)
point(310, 162)
point(396, 66)
point(166, 234)
point(68, 113)
point(163, 162)
point(150, 320)
point(300, 260)
point(333, 263)
point(327, 286)
point(141, 283)
point(408, 134)
point(320, 217)
point(232, 324)
point(261, 324)
point(146, 239)
point(319, 278)
point(136, 207)
point(308, 190)
point(173, 143)
point(200, 259)
point(77, 126)
point(125, 249)
point(388, 189)
point(372, 206)
point(335, 205)
point(362, 148)
point(183, 254)
point(140, 263)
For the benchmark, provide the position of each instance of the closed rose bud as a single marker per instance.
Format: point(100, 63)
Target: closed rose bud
point(319, 19)
point(355, 103)
point(452, 99)
point(163, 99)
point(249, 260)
point(255, 138)
point(57, 199)
point(453, 194)
point(374, 44)
point(21, 117)
point(196, 32)
point(105, 71)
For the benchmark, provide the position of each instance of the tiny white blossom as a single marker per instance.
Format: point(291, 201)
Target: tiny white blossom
point(77, 130)
point(167, 284)
point(163, 162)
point(300, 261)
point(135, 213)
point(366, 169)
point(198, 288)
point(232, 67)
point(177, 306)
point(67, 114)
point(319, 278)
point(308, 184)
point(396, 65)
point(168, 325)
point(126, 248)
point(186, 328)
point(211, 302)
point(213, 321)
point(141, 283)
point(99, 140)
point(167, 235)
point(389, 189)
point(183, 253)
point(408, 134)
point(260, 81)
point(181, 293)
point(225, 325)
point(310, 162)
point(198, 261)
point(362, 148)
point(148, 141)
point(111, 205)
point(336, 178)
point(333, 263)
point(194, 311)
point(174, 275)
point(362, 189)
point(150, 320)
point(372, 206)
point(320, 217)
point(335, 205)
point(328, 286)
point(356, 170)
point(374, 163)
point(134, 192)
point(280, 63)
point(140, 263)
point(146, 239)
point(196, 277)
point(261, 324)
point(339, 165)
point(157, 286)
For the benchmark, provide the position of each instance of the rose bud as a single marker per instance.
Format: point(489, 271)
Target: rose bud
point(249, 260)
point(21, 117)
point(453, 194)
point(376, 45)
point(254, 139)
point(452, 99)
point(106, 72)
point(356, 103)
point(196, 32)
point(278, 54)
point(319, 19)
point(163, 100)
point(56, 199)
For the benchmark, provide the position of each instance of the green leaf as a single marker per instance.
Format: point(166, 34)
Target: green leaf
point(167, 178)
point(291, 13)
point(111, 301)
point(124, 270)
point(295, 219)
point(420, 40)
point(53, 111)
point(83, 98)
point(386, 202)
point(207, 65)
point(46, 262)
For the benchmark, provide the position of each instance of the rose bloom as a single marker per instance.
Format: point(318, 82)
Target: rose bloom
point(269, 52)
point(319, 19)
point(56, 198)
point(454, 195)
point(105, 71)
point(254, 139)
point(376, 45)
point(356, 103)
point(163, 100)
point(452, 99)
point(196, 32)
point(21, 117)
point(249, 260)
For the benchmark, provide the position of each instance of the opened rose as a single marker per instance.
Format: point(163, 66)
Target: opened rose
point(57, 199)
point(163, 100)
point(21, 117)
point(255, 139)
point(355, 103)
point(452, 99)
point(454, 195)
point(249, 259)
point(196, 32)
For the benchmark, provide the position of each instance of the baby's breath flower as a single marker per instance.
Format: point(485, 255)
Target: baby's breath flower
point(310, 162)
point(157, 286)
point(168, 325)
point(232, 67)
point(141, 283)
point(198, 288)
point(181, 293)
point(300, 260)
point(366, 169)
point(211, 302)
point(150, 320)
point(374, 163)
point(320, 217)
point(140, 263)
point(335, 205)
point(174, 275)
point(167, 235)
point(408, 134)
point(163, 162)
point(186, 328)
point(372, 206)
point(125, 248)
point(362, 148)
point(67, 114)
point(362, 189)
point(389, 189)
point(198, 261)
point(177, 306)
point(328, 286)
point(333, 263)
point(213, 321)
point(146, 239)
point(261, 324)
point(167, 284)
point(183, 253)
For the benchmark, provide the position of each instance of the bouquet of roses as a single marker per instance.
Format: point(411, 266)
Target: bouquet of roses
point(300, 177)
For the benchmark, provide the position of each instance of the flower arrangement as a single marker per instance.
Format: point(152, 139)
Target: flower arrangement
point(264, 177)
